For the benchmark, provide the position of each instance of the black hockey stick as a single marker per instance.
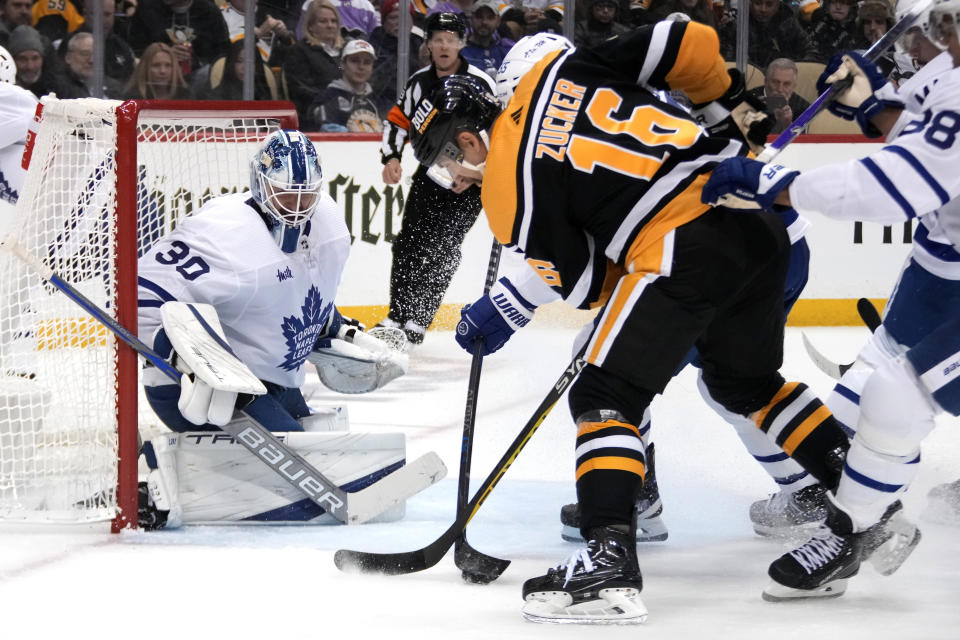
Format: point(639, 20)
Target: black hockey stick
point(349, 508)
point(477, 567)
point(871, 318)
point(393, 564)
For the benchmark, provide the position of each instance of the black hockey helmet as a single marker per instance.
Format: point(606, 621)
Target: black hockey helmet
point(446, 21)
point(457, 103)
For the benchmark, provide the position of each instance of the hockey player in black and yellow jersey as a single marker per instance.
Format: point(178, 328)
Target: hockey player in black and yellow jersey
point(597, 183)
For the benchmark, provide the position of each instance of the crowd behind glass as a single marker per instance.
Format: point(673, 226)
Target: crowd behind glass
point(337, 60)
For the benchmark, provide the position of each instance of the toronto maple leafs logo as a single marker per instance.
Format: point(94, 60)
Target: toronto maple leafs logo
point(301, 333)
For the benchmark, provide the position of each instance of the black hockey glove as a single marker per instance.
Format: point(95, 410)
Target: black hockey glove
point(736, 114)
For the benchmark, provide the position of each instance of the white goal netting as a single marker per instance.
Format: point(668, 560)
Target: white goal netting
point(59, 385)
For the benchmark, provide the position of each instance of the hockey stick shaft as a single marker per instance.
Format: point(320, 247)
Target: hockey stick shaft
point(413, 561)
point(477, 566)
point(248, 431)
point(872, 54)
point(473, 388)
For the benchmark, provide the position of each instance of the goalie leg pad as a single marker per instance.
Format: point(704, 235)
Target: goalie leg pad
point(220, 483)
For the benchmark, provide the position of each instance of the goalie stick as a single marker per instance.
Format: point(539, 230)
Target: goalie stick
point(393, 564)
point(872, 54)
point(348, 508)
point(871, 318)
point(477, 567)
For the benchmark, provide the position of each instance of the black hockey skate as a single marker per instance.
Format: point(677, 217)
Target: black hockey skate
point(599, 584)
point(789, 514)
point(149, 518)
point(649, 524)
point(820, 567)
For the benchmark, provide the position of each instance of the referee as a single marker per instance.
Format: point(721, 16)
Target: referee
point(426, 252)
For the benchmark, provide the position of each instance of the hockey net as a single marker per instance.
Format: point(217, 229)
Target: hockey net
point(105, 180)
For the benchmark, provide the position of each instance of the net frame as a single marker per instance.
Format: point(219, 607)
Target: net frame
point(132, 122)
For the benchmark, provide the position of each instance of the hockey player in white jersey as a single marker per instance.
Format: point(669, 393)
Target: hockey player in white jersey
point(17, 110)
point(915, 354)
point(269, 262)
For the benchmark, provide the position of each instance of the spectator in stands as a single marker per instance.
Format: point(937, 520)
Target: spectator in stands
point(78, 71)
point(358, 17)
point(193, 28)
point(349, 103)
point(29, 52)
point(384, 40)
point(697, 10)
point(832, 28)
point(777, 93)
point(118, 58)
point(773, 33)
point(54, 20)
point(289, 11)
point(157, 76)
point(314, 61)
point(13, 13)
point(485, 47)
point(874, 18)
point(226, 80)
point(273, 36)
point(601, 25)
point(527, 17)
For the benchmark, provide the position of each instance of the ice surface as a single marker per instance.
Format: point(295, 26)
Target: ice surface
point(280, 582)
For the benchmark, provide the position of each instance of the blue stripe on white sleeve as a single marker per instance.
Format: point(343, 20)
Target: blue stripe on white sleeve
point(888, 186)
point(156, 289)
point(921, 170)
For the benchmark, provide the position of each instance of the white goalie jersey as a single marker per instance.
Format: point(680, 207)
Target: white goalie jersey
point(272, 305)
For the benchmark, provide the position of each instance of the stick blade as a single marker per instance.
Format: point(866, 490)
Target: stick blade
point(387, 564)
point(394, 488)
point(826, 365)
point(477, 567)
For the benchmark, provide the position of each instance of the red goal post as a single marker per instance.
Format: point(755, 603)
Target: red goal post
point(105, 180)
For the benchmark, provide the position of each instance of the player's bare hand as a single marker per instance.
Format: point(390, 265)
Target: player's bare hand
point(183, 51)
point(392, 171)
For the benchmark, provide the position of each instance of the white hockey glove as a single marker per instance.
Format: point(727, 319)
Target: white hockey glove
point(358, 362)
point(213, 375)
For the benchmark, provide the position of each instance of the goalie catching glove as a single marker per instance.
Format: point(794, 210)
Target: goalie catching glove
point(350, 360)
point(857, 80)
point(736, 114)
point(493, 318)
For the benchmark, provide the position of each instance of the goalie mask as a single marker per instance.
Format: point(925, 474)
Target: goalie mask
point(458, 103)
point(285, 180)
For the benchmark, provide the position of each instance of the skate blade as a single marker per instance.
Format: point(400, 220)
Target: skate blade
point(652, 530)
point(888, 557)
point(776, 592)
point(614, 606)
